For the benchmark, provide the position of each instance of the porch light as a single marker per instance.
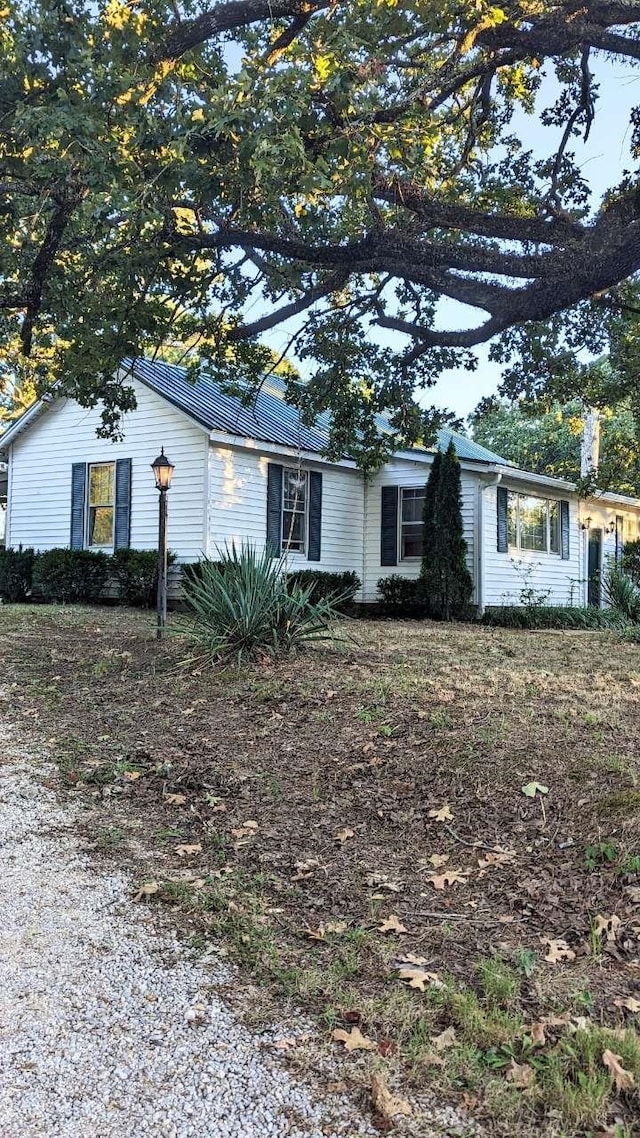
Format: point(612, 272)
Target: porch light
point(587, 522)
point(163, 471)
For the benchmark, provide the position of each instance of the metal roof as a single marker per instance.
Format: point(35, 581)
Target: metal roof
point(267, 418)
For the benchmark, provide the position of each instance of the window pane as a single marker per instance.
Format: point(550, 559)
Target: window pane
point(554, 527)
point(411, 543)
point(101, 484)
point(293, 530)
point(412, 505)
point(533, 524)
point(294, 490)
point(512, 518)
point(101, 525)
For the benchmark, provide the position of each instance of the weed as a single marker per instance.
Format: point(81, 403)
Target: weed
point(526, 961)
point(597, 855)
point(498, 982)
point(110, 837)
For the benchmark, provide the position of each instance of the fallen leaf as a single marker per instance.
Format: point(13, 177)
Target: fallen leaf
point(187, 851)
point(315, 934)
point(175, 799)
point(557, 950)
point(538, 1035)
point(353, 1040)
point(384, 1102)
point(391, 924)
point(131, 776)
point(630, 1004)
point(609, 926)
point(418, 978)
point(147, 890)
point(533, 788)
point(344, 835)
point(305, 869)
point(497, 857)
point(623, 1079)
point(449, 877)
point(245, 830)
point(443, 814)
point(386, 1047)
point(446, 1039)
point(411, 958)
point(439, 859)
point(336, 926)
point(519, 1074)
point(381, 881)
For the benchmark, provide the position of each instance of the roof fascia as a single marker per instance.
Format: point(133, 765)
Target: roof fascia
point(249, 442)
point(614, 499)
point(27, 418)
point(516, 475)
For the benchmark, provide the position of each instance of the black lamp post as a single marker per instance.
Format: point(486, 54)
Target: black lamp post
point(163, 472)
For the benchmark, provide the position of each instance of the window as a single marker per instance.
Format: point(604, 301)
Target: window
point(411, 533)
point(100, 505)
point(294, 510)
point(533, 524)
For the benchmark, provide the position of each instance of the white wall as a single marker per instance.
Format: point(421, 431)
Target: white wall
point(504, 578)
point(237, 507)
point(409, 473)
point(40, 473)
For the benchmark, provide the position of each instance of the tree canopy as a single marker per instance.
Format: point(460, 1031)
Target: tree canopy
point(548, 441)
point(177, 173)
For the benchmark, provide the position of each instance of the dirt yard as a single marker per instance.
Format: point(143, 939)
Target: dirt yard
point(426, 839)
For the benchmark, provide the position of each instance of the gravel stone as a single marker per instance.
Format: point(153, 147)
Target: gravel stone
point(95, 1036)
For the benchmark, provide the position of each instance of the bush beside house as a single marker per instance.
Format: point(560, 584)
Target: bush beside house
point(79, 576)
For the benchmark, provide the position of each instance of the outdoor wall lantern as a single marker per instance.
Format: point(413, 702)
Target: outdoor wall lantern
point(163, 473)
point(611, 528)
point(587, 522)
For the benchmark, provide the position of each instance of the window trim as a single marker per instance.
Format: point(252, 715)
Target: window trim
point(285, 547)
point(549, 502)
point(88, 507)
point(414, 557)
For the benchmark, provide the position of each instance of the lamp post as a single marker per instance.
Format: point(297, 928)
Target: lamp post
point(163, 473)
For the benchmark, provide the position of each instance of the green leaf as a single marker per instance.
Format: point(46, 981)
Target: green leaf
point(533, 788)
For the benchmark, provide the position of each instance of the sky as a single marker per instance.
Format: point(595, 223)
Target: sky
point(602, 159)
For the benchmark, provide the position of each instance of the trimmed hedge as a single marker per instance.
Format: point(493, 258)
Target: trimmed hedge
point(16, 571)
point(327, 586)
point(402, 596)
point(554, 616)
point(74, 576)
point(71, 576)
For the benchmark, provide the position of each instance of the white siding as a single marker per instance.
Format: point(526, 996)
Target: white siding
point(405, 472)
point(505, 573)
point(237, 508)
point(40, 497)
point(603, 517)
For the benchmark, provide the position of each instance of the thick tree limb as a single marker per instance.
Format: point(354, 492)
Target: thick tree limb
point(279, 315)
point(183, 37)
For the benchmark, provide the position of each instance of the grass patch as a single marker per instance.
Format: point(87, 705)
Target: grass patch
point(287, 813)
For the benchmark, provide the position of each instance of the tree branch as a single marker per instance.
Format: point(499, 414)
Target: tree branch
point(184, 36)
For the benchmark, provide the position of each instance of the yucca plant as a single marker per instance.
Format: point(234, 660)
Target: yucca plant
point(622, 593)
point(244, 607)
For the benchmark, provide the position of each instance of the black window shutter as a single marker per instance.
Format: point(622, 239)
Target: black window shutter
point(122, 529)
point(503, 529)
point(564, 531)
point(78, 489)
point(619, 536)
point(389, 526)
point(274, 509)
point(315, 515)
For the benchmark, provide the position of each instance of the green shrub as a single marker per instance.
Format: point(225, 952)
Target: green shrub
point(446, 580)
point(554, 616)
point(69, 575)
point(622, 593)
point(16, 572)
point(401, 596)
point(136, 574)
point(339, 587)
point(630, 561)
point(244, 608)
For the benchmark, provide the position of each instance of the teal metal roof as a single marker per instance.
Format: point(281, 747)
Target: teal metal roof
point(268, 418)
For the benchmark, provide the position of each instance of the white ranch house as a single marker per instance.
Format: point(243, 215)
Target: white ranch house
point(257, 474)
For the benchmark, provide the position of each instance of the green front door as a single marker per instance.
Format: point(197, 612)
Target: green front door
point(594, 571)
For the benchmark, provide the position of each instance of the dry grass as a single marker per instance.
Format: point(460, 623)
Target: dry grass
point(375, 739)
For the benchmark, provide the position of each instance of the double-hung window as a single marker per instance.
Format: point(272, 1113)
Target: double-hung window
point(101, 494)
point(411, 526)
point(295, 500)
point(533, 524)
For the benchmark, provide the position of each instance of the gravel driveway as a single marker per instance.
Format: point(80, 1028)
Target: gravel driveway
point(108, 1030)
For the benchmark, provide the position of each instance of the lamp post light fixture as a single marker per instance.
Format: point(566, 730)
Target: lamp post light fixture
point(163, 473)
